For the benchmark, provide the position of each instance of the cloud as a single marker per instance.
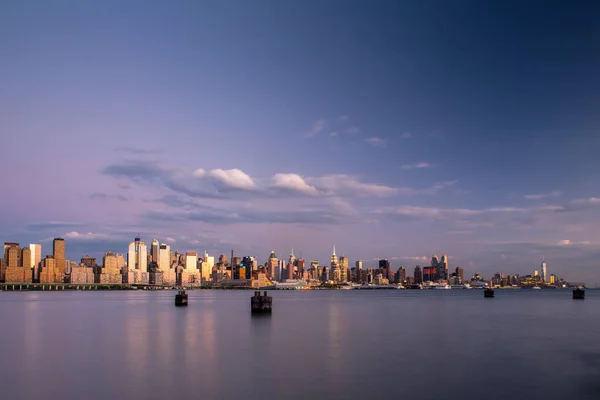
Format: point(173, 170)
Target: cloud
point(420, 165)
point(316, 128)
point(564, 242)
point(170, 240)
point(540, 196)
point(85, 236)
point(294, 183)
point(333, 134)
point(228, 178)
point(347, 184)
point(406, 135)
point(353, 130)
point(136, 150)
point(579, 204)
point(375, 141)
point(53, 225)
point(104, 196)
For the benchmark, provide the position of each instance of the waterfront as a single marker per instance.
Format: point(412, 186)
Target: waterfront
point(320, 344)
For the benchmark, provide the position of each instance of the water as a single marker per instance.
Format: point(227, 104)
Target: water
point(317, 344)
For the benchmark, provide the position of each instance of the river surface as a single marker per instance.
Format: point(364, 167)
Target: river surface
point(344, 344)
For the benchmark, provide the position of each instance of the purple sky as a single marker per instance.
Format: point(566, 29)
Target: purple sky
point(395, 129)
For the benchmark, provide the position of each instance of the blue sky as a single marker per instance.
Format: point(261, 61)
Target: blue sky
point(390, 129)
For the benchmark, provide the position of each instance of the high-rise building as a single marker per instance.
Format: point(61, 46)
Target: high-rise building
point(154, 250)
point(418, 275)
point(443, 267)
point(460, 274)
point(58, 251)
point(36, 258)
point(335, 267)
point(164, 257)
point(12, 254)
point(137, 262)
point(401, 275)
point(271, 264)
point(344, 269)
point(191, 260)
point(89, 262)
point(544, 272)
point(384, 266)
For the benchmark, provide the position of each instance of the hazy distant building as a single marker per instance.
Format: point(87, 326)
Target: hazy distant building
point(442, 268)
point(401, 275)
point(460, 273)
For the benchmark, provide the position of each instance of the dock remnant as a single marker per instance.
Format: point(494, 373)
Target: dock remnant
point(261, 304)
point(488, 293)
point(181, 298)
point(579, 294)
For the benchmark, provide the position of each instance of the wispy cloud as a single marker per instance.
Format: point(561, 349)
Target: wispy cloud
point(136, 150)
point(53, 225)
point(375, 141)
point(316, 128)
point(406, 135)
point(74, 235)
point(539, 196)
point(420, 165)
point(104, 196)
point(353, 130)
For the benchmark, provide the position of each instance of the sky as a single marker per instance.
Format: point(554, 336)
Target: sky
point(390, 129)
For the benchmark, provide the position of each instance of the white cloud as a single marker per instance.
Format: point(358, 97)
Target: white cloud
point(338, 184)
point(229, 178)
point(591, 201)
point(375, 141)
point(539, 196)
point(293, 182)
point(85, 236)
point(170, 239)
point(316, 128)
point(564, 242)
point(420, 165)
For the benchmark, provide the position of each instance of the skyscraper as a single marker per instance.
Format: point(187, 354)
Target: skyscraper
point(344, 269)
point(36, 258)
point(384, 266)
point(58, 250)
point(154, 250)
point(335, 267)
point(137, 261)
point(544, 271)
point(418, 274)
point(164, 257)
point(271, 264)
point(191, 260)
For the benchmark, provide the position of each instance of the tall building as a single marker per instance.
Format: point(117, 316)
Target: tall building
point(164, 257)
point(191, 260)
point(401, 275)
point(335, 267)
point(154, 250)
point(271, 264)
point(58, 251)
point(137, 262)
point(460, 273)
point(207, 267)
point(36, 258)
point(89, 262)
point(384, 266)
point(344, 269)
point(544, 272)
point(443, 267)
point(418, 275)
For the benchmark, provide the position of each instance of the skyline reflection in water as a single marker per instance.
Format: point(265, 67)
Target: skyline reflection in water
point(321, 344)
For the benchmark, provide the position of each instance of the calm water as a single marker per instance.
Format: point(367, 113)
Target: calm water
point(317, 344)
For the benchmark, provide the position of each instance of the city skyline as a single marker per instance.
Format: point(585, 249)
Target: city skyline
point(385, 129)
